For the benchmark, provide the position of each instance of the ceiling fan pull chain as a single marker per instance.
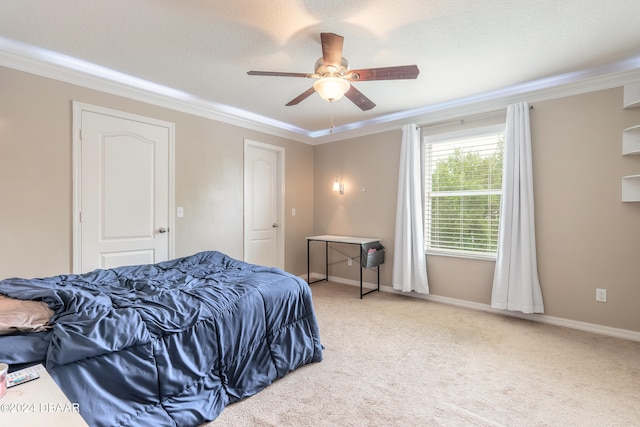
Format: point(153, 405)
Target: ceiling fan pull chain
point(331, 115)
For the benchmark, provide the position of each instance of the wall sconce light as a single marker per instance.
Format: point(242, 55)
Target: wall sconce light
point(338, 187)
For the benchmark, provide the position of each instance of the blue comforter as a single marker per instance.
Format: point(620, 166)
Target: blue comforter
point(171, 344)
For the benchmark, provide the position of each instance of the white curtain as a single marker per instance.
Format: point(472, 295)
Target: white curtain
point(515, 285)
point(409, 264)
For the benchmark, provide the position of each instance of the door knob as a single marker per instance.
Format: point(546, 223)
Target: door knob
point(274, 225)
point(162, 230)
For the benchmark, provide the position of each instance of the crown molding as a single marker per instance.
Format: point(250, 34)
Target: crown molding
point(60, 67)
point(63, 68)
point(570, 84)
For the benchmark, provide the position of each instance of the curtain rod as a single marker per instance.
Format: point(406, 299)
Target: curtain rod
point(462, 119)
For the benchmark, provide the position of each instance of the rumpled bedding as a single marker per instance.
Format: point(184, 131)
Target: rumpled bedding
point(172, 344)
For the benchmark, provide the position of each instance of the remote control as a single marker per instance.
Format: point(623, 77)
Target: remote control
point(22, 376)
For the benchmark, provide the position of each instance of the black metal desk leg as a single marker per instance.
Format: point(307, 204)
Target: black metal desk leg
point(308, 266)
point(360, 282)
point(326, 260)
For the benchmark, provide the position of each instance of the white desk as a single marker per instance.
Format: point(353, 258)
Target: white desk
point(349, 240)
point(39, 403)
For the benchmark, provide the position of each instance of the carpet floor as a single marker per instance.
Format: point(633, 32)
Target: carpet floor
point(392, 360)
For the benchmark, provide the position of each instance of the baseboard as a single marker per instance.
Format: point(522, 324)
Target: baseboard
point(542, 318)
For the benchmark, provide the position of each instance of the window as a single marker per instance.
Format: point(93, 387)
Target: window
point(463, 187)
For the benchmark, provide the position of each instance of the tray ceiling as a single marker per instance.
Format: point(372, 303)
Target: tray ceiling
point(201, 50)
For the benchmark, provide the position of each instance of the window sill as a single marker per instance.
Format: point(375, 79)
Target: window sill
point(484, 257)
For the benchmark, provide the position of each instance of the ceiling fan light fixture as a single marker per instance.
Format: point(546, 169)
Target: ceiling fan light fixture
point(331, 88)
point(335, 77)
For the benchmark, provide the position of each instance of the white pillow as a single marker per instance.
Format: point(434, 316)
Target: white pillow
point(23, 316)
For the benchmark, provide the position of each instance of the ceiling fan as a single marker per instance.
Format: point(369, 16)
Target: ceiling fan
point(335, 77)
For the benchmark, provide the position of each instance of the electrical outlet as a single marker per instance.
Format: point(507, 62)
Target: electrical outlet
point(349, 262)
point(601, 295)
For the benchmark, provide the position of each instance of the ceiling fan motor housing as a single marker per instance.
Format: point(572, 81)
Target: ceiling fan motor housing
point(331, 70)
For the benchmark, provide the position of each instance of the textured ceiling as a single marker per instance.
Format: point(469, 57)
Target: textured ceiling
point(463, 48)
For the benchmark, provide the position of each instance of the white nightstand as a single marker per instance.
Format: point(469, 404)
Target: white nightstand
point(39, 403)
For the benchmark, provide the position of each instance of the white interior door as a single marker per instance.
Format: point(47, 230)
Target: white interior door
point(125, 190)
point(264, 204)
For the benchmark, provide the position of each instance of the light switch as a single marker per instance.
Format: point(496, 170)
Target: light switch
point(180, 212)
point(293, 211)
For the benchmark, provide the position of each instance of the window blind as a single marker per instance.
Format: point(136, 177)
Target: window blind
point(463, 190)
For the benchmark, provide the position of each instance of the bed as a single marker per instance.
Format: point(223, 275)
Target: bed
point(168, 344)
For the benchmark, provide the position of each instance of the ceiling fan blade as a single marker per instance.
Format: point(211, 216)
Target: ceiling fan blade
point(304, 95)
point(384, 73)
point(359, 99)
point(277, 74)
point(331, 48)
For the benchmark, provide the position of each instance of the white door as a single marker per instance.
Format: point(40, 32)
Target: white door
point(125, 189)
point(264, 204)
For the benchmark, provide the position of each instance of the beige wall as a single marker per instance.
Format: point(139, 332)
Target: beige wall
point(36, 178)
point(587, 238)
point(371, 163)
